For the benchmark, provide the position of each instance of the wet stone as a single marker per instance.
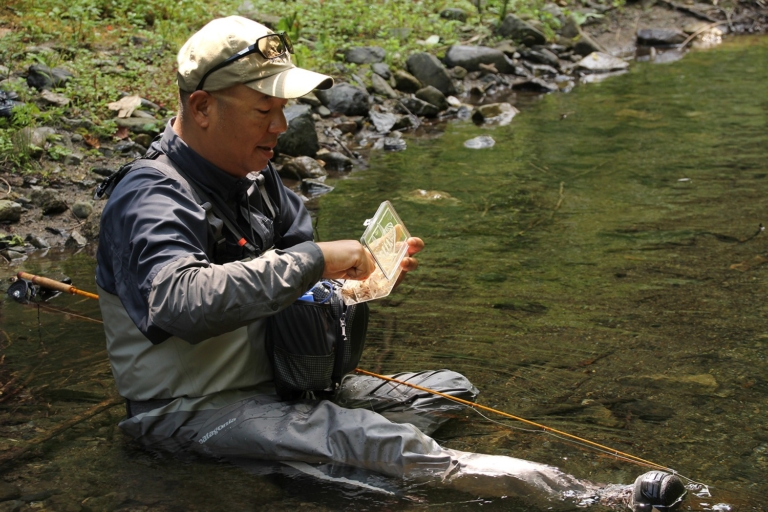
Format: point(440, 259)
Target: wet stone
point(37, 242)
point(394, 144)
point(314, 187)
point(501, 113)
point(82, 209)
point(598, 62)
point(336, 161)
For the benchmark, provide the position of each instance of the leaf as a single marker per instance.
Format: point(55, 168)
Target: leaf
point(125, 106)
point(91, 141)
point(122, 133)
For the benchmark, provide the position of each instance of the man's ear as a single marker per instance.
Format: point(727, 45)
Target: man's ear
point(200, 105)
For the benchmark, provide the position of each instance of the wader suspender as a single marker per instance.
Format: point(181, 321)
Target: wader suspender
point(215, 216)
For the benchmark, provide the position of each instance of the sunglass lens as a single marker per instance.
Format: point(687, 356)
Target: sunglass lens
point(271, 46)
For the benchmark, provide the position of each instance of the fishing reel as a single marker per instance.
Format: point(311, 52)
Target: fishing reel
point(25, 291)
point(22, 290)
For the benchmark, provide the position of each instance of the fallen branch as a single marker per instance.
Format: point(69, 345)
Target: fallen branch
point(14, 454)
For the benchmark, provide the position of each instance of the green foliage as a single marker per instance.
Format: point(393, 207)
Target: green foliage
point(129, 46)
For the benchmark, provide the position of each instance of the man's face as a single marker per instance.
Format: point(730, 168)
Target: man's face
point(244, 128)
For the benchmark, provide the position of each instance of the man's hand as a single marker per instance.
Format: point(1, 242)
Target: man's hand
point(409, 263)
point(347, 259)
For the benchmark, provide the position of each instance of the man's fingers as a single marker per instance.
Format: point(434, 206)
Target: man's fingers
point(415, 245)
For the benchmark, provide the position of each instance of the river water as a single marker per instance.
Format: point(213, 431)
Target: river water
point(594, 271)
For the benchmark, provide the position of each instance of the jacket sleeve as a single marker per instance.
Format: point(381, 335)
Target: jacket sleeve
point(153, 236)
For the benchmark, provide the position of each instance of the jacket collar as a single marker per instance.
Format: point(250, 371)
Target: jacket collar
point(206, 174)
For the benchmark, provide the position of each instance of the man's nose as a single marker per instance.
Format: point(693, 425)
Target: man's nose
point(279, 123)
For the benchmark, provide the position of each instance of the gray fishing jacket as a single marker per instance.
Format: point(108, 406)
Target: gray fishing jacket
point(180, 321)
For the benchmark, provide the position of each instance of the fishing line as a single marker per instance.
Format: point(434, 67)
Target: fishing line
point(559, 434)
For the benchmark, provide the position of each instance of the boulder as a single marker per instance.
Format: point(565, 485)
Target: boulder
point(521, 31)
point(42, 77)
point(365, 55)
point(406, 82)
point(470, 58)
point(10, 211)
point(300, 139)
point(345, 99)
point(659, 37)
point(432, 96)
point(48, 201)
point(429, 71)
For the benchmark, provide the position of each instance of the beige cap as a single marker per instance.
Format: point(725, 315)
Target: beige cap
point(224, 37)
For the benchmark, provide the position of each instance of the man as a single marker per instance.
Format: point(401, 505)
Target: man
point(187, 280)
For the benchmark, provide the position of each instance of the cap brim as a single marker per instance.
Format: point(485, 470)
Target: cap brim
point(291, 83)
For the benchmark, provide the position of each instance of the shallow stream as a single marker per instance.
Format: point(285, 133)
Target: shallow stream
point(594, 271)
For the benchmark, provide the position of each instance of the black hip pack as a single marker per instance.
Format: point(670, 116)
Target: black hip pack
point(315, 341)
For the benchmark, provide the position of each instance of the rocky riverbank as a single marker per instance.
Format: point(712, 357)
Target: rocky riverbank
point(371, 107)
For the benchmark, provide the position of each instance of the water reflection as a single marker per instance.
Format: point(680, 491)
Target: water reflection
point(592, 271)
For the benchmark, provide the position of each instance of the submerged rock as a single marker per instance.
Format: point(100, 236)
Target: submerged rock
point(501, 113)
point(480, 142)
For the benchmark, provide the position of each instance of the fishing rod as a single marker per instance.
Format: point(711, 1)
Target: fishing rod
point(20, 294)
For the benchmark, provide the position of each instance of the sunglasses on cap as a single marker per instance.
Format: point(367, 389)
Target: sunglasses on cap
point(270, 47)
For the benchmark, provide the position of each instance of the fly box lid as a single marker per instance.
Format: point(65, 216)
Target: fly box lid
point(385, 237)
